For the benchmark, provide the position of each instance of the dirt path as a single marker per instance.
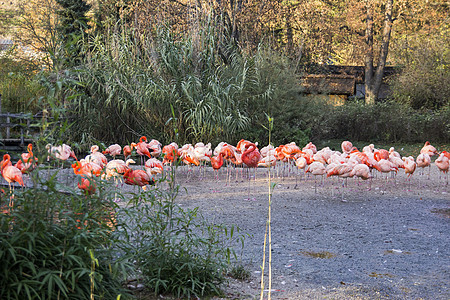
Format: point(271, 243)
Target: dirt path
point(389, 242)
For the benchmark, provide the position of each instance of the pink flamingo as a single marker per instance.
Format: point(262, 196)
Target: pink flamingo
point(442, 162)
point(113, 150)
point(251, 157)
point(11, 174)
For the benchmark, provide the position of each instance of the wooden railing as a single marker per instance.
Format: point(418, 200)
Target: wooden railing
point(14, 129)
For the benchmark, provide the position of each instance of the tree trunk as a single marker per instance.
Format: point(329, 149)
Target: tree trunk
point(373, 79)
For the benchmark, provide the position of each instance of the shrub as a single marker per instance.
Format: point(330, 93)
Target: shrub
point(176, 250)
point(425, 80)
point(56, 244)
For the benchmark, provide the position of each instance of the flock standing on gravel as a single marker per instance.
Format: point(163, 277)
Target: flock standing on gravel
point(349, 163)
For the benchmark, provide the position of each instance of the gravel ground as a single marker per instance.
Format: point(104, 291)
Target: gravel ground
point(389, 242)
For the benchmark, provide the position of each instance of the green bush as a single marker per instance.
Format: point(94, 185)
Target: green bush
point(56, 244)
point(384, 122)
point(425, 79)
point(176, 250)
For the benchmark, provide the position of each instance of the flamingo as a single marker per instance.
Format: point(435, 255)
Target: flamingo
point(362, 171)
point(170, 153)
point(87, 186)
point(153, 166)
point(96, 157)
point(310, 146)
point(11, 174)
point(316, 168)
point(429, 149)
point(410, 167)
point(442, 162)
point(154, 147)
point(424, 160)
point(346, 147)
point(381, 154)
point(342, 170)
point(113, 150)
point(203, 154)
point(251, 157)
point(63, 152)
point(86, 169)
point(369, 148)
point(127, 150)
point(138, 177)
point(27, 162)
point(116, 168)
point(217, 163)
point(394, 153)
point(142, 148)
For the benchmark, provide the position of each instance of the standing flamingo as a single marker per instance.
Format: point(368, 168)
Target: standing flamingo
point(128, 149)
point(410, 167)
point(316, 168)
point(423, 160)
point(11, 174)
point(251, 157)
point(429, 149)
point(442, 162)
point(217, 163)
point(142, 148)
point(113, 150)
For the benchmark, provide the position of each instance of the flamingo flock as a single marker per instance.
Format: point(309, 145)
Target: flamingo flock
point(289, 158)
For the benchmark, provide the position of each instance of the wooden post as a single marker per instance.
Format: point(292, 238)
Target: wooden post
point(8, 121)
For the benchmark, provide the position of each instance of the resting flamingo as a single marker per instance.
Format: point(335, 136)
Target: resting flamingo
point(442, 162)
point(153, 166)
point(28, 161)
point(251, 157)
point(316, 168)
point(423, 160)
point(138, 177)
point(410, 167)
point(113, 150)
point(429, 149)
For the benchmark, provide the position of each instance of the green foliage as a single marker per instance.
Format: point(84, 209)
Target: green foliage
point(17, 85)
point(56, 244)
point(175, 90)
point(176, 250)
point(425, 81)
point(277, 94)
point(383, 122)
point(240, 272)
point(73, 24)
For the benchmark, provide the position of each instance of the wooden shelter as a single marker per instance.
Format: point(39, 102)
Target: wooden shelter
point(337, 83)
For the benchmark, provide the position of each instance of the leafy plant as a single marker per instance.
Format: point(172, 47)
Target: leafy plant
point(176, 250)
point(55, 243)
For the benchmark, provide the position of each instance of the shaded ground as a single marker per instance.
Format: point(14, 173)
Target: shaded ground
point(390, 242)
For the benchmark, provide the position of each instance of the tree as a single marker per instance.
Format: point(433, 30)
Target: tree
point(73, 24)
point(373, 77)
